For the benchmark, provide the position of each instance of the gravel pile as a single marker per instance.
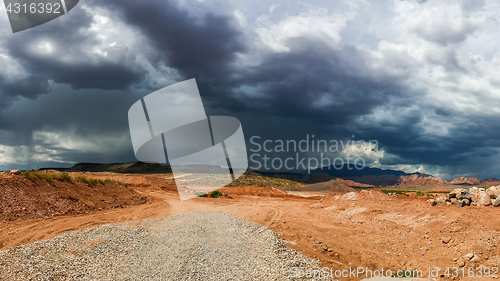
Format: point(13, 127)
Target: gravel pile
point(194, 246)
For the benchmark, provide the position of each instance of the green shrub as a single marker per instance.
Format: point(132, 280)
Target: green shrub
point(35, 175)
point(84, 179)
point(420, 194)
point(30, 175)
point(215, 194)
point(65, 177)
point(201, 194)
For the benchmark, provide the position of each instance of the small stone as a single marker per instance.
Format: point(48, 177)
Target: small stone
point(461, 263)
point(476, 259)
point(446, 240)
point(469, 256)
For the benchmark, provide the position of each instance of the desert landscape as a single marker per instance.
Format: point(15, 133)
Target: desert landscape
point(340, 226)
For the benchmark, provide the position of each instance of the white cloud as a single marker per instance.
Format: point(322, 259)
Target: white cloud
point(315, 24)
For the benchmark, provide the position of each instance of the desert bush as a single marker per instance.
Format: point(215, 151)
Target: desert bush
point(35, 175)
point(30, 175)
point(84, 179)
point(215, 194)
point(112, 181)
point(200, 194)
point(419, 194)
point(65, 176)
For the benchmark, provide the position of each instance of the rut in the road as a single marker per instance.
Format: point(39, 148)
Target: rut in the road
point(194, 246)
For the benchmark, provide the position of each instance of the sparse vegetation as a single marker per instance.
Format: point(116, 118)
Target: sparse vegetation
point(215, 194)
point(254, 179)
point(394, 191)
point(84, 179)
point(66, 177)
point(200, 194)
point(36, 175)
point(420, 194)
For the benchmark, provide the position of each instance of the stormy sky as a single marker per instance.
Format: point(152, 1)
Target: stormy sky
point(421, 78)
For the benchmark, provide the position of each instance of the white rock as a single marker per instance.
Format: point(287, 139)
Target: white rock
point(350, 196)
point(483, 198)
point(455, 192)
point(494, 191)
point(496, 202)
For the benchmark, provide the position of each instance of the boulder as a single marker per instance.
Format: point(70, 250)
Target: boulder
point(459, 193)
point(15, 172)
point(460, 203)
point(441, 199)
point(432, 202)
point(483, 198)
point(496, 202)
point(465, 194)
point(474, 193)
point(454, 192)
point(493, 191)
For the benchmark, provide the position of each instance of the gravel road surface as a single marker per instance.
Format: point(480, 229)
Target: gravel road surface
point(194, 246)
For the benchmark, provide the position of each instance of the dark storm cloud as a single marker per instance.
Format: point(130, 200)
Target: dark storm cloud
point(312, 89)
point(328, 90)
point(27, 87)
point(67, 59)
point(317, 82)
point(202, 48)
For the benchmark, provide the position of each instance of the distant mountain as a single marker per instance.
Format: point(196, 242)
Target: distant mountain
point(491, 180)
point(349, 171)
point(127, 168)
point(143, 168)
point(348, 176)
point(466, 181)
point(328, 186)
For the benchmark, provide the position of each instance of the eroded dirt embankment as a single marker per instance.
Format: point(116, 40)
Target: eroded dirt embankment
point(22, 198)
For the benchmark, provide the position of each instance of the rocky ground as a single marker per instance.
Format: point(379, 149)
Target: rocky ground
point(195, 246)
